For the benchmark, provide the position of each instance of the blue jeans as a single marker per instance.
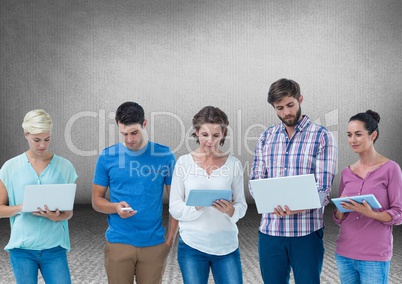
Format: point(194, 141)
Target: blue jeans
point(52, 263)
point(304, 255)
point(195, 266)
point(353, 271)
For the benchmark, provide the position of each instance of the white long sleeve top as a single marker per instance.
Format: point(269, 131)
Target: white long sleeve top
point(207, 229)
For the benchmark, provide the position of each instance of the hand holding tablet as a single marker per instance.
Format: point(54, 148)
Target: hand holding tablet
point(369, 198)
point(206, 197)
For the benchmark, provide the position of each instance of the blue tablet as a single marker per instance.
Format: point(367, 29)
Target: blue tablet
point(370, 198)
point(205, 197)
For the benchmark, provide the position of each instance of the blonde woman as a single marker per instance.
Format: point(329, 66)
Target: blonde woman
point(39, 240)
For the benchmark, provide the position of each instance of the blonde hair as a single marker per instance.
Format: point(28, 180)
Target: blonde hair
point(37, 121)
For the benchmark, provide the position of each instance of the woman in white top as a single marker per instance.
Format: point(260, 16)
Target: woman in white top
point(208, 235)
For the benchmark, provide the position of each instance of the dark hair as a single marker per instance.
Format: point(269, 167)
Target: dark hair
point(130, 113)
point(370, 119)
point(283, 88)
point(213, 115)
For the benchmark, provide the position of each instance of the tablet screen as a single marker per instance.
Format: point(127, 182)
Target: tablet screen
point(370, 198)
point(205, 197)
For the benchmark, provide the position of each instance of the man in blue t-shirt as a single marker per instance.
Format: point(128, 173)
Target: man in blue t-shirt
point(135, 171)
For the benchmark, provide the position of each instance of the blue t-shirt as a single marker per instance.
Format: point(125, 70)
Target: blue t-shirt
point(29, 231)
point(137, 177)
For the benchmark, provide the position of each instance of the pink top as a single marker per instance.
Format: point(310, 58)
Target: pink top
point(364, 238)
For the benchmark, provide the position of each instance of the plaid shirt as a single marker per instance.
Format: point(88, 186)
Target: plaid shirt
point(311, 150)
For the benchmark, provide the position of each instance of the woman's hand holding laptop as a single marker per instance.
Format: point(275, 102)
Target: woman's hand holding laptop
point(53, 215)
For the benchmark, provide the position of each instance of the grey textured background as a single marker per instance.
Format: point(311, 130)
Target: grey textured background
point(79, 60)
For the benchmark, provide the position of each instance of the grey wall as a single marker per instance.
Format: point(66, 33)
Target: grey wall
point(79, 60)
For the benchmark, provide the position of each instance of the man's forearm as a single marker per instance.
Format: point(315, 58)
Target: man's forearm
point(172, 231)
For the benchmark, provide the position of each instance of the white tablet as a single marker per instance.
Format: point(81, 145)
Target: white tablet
point(55, 196)
point(370, 198)
point(297, 192)
point(205, 197)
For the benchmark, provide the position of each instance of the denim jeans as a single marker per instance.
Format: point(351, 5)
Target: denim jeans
point(353, 271)
point(304, 255)
point(52, 263)
point(195, 266)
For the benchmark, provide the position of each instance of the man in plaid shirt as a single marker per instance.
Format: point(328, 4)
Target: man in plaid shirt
point(293, 239)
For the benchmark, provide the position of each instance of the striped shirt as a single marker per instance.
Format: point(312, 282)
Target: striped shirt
point(311, 150)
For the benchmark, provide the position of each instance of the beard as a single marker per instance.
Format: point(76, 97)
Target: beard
point(291, 122)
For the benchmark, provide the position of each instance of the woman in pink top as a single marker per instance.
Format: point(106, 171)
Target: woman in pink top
point(364, 244)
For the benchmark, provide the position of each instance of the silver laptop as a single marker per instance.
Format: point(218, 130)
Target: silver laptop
point(55, 196)
point(297, 192)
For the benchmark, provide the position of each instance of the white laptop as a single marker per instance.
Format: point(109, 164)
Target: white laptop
point(297, 192)
point(55, 196)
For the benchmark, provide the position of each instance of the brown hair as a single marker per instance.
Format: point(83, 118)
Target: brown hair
point(283, 88)
point(213, 115)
